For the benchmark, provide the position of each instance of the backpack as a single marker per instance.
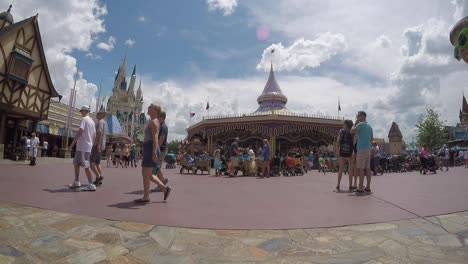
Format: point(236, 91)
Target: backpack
point(346, 143)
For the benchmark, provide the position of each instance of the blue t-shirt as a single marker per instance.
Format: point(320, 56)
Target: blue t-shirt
point(266, 152)
point(364, 136)
point(163, 131)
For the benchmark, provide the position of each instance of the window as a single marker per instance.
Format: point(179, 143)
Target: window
point(20, 63)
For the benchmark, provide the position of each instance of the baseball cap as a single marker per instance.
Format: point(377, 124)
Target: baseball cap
point(85, 108)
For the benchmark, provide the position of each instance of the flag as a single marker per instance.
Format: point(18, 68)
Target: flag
point(207, 105)
point(339, 106)
point(192, 115)
point(272, 50)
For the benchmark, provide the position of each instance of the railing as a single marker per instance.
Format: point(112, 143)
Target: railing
point(303, 115)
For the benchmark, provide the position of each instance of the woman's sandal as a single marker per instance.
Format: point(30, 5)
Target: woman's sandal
point(338, 188)
point(167, 192)
point(142, 201)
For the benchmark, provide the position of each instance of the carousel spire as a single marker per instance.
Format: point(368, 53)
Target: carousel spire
point(272, 98)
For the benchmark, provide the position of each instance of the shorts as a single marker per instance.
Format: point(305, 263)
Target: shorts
point(147, 161)
point(95, 156)
point(117, 156)
point(234, 162)
point(82, 159)
point(125, 158)
point(363, 159)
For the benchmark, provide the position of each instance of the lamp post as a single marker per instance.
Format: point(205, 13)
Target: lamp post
point(70, 117)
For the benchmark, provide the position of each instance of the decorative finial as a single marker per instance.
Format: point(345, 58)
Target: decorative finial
point(271, 59)
point(9, 8)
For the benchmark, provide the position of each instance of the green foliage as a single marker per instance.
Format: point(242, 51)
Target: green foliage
point(431, 130)
point(173, 146)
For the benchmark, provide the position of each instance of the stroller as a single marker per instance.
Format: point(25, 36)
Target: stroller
point(324, 165)
point(170, 161)
point(276, 167)
point(298, 166)
point(289, 167)
point(431, 165)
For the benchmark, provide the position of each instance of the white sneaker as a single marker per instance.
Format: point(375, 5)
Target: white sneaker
point(90, 188)
point(75, 185)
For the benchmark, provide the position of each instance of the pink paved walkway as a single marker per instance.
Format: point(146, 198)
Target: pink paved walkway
point(202, 201)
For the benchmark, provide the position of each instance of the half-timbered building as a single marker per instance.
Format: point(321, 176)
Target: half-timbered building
point(25, 84)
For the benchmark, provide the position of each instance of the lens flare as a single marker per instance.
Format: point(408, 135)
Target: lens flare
point(262, 33)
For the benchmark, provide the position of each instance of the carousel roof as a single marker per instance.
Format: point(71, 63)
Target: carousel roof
point(272, 100)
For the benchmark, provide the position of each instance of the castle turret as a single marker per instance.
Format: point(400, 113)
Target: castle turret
point(131, 87)
point(464, 113)
point(272, 100)
point(139, 95)
point(120, 82)
point(6, 18)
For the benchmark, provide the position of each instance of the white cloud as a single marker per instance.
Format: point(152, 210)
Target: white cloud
point(93, 56)
point(415, 71)
point(107, 46)
point(226, 6)
point(82, 21)
point(303, 53)
point(142, 18)
point(130, 42)
point(382, 42)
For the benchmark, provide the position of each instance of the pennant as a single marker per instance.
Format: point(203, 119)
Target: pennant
point(339, 106)
point(192, 115)
point(207, 105)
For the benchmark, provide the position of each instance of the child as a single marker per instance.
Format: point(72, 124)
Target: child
point(217, 162)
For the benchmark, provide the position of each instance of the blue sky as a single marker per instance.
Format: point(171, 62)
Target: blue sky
point(176, 39)
point(392, 59)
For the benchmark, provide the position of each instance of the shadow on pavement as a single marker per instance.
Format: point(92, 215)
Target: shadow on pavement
point(130, 205)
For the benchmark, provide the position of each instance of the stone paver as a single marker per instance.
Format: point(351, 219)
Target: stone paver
point(31, 235)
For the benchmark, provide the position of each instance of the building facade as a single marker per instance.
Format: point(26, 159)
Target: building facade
point(272, 120)
point(25, 84)
point(126, 105)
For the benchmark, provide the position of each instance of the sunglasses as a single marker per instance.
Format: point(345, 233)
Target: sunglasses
point(462, 40)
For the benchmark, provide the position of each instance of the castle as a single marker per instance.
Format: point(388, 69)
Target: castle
point(125, 104)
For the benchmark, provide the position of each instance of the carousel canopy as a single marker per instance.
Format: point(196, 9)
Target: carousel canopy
point(272, 100)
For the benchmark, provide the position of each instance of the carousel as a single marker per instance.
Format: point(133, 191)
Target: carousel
point(285, 130)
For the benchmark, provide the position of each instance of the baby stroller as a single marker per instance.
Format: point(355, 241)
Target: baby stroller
point(289, 166)
point(276, 167)
point(323, 165)
point(298, 167)
point(170, 161)
point(431, 165)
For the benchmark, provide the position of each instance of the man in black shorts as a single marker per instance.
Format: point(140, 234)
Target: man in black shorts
point(162, 140)
point(98, 147)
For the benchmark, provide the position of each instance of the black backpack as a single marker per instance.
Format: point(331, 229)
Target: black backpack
point(346, 143)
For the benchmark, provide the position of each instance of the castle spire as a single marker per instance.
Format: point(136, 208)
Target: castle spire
point(134, 70)
point(464, 105)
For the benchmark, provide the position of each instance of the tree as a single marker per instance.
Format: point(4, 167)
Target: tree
point(173, 146)
point(431, 130)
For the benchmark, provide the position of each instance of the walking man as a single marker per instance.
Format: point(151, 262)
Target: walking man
point(84, 144)
point(34, 143)
point(445, 155)
point(163, 131)
point(133, 153)
point(98, 147)
point(234, 157)
point(364, 145)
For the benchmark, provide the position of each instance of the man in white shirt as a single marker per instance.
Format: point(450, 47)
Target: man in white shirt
point(445, 153)
point(84, 143)
point(34, 146)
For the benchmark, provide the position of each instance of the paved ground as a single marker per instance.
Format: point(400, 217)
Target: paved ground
point(202, 201)
point(31, 235)
point(34, 235)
